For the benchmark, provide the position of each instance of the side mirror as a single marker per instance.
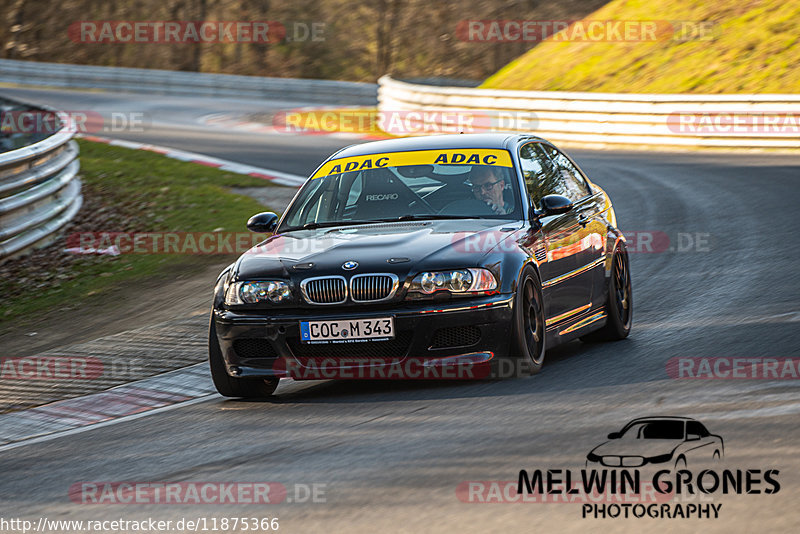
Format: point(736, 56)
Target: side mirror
point(613, 435)
point(263, 223)
point(553, 205)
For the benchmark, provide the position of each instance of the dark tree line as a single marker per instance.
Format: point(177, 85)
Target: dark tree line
point(361, 40)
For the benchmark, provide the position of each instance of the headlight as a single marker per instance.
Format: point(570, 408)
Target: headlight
point(660, 459)
point(254, 292)
point(457, 281)
point(592, 457)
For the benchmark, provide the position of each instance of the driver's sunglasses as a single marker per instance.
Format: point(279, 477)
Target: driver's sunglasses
point(485, 187)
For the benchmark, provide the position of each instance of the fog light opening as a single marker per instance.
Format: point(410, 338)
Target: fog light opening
point(473, 358)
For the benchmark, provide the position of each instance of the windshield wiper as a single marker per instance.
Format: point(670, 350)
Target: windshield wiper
point(329, 224)
point(430, 216)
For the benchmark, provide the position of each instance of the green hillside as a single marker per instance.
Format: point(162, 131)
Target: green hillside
point(753, 48)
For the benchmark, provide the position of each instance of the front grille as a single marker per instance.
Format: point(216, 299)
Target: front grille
point(324, 290)
point(457, 336)
point(372, 287)
point(632, 461)
point(392, 348)
point(254, 348)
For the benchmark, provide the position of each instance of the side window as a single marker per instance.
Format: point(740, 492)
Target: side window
point(695, 427)
point(572, 184)
point(540, 175)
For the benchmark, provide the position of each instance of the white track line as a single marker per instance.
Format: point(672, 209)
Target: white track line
point(73, 431)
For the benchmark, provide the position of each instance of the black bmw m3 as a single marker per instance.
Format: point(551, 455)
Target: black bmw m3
point(426, 257)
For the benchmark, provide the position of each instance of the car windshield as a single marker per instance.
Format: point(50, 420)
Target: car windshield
point(384, 192)
point(655, 430)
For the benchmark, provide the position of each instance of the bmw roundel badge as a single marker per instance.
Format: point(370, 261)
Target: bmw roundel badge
point(349, 265)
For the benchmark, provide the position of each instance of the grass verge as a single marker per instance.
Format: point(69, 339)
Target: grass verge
point(125, 191)
point(751, 47)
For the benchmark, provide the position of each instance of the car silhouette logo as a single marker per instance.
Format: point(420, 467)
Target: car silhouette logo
point(670, 441)
point(349, 265)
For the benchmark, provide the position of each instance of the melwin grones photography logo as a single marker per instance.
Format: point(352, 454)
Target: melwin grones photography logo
point(656, 467)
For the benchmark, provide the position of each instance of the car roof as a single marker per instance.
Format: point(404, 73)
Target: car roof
point(661, 418)
point(433, 142)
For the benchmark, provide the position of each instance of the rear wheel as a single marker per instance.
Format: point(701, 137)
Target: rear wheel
point(528, 340)
point(619, 304)
point(229, 386)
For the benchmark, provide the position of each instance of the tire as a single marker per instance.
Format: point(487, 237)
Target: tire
point(229, 386)
point(619, 303)
point(528, 338)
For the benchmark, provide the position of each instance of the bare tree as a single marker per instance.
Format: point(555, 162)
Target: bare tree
point(363, 39)
point(388, 12)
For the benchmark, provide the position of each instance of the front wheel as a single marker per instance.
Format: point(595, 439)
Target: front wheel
point(229, 386)
point(619, 304)
point(528, 340)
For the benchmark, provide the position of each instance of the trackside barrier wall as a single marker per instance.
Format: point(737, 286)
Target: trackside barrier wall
point(187, 83)
point(39, 191)
point(609, 119)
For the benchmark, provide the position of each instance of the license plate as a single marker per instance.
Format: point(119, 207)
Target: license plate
point(347, 330)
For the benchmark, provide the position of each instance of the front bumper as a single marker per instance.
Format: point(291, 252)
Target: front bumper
point(429, 334)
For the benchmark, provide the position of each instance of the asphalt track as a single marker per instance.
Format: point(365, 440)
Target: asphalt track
point(390, 455)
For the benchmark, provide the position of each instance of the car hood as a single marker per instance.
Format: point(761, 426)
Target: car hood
point(427, 244)
point(637, 447)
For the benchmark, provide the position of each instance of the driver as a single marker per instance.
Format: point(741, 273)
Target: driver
point(488, 186)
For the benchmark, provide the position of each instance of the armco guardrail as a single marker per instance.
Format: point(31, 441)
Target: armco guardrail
point(187, 83)
point(608, 119)
point(39, 191)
